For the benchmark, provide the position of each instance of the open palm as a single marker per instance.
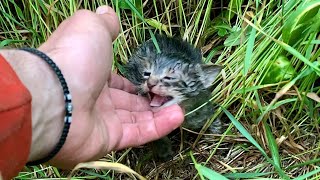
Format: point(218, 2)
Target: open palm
point(107, 114)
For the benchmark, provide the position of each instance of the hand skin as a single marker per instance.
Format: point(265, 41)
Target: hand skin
point(107, 115)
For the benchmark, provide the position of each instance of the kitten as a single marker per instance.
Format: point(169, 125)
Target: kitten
point(177, 75)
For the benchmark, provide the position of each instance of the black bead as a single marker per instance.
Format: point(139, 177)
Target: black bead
point(65, 89)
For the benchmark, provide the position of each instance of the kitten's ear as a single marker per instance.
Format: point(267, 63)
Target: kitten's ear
point(210, 73)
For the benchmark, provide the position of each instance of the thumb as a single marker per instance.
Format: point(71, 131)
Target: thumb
point(110, 18)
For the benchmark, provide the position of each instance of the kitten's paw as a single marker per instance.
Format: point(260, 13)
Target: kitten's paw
point(216, 127)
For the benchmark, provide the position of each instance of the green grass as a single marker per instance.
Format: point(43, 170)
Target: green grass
point(268, 91)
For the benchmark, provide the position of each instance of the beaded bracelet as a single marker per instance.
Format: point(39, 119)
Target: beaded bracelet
point(68, 105)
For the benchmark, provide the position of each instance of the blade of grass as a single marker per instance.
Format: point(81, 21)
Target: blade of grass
point(106, 165)
point(313, 161)
point(252, 88)
point(205, 20)
point(158, 25)
point(195, 162)
point(292, 28)
point(7, 42)
point(249, 50)
point(280, 103)
point(93, 174)
point(283, 90)
point(288, 48)
point(246, 134)
point(18, 11)
point(309, 174)
point(15, 21)
point(206, 172)
point(299, 56)
point(154, 40)
point(272, 144)
point(209, 173)
point(213, 53)
point(246, 175)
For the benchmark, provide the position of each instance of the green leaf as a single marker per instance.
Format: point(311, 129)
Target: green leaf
point(56, 172)
point(121, 3)
point(209, 173)
point(7, 42)
point(288, 5)
point(314, 66)
point(280, 103)
point(246, 175)
point(285, 88)
point(213, 53)
point(234, 38)
point(158, 25)
point(299, 21)
point(313, 161)
point(136, 11)
point(280, 69)
point(252, 88)
point(246, 134)
point(305, 176)
point(222, 32)
point(272, 144)
point(18, 10)
point(206, 172)
point(243, 131)
point(15, 21)
point(234, 6)
point(249, 50)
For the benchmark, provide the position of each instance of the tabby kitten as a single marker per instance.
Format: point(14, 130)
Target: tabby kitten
point(177, 75)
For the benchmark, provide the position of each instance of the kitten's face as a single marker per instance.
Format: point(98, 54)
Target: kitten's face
point(171, 81)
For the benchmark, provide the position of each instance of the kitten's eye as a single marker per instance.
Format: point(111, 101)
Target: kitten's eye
point(169, 78)
point(146, 74)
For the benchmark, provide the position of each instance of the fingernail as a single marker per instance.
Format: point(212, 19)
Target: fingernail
point(102, 10)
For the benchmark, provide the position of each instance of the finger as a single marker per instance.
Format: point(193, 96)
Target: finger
point(127, 101)
point(161, 124)
point(111, 19)
point(133, 117)
point(87, 22)
point(121, 83)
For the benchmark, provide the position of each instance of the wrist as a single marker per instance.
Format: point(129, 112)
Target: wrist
point(47, 100)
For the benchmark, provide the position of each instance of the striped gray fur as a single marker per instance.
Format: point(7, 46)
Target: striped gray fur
point(177, 72)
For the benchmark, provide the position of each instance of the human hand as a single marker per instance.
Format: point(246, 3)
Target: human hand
point(107, 115)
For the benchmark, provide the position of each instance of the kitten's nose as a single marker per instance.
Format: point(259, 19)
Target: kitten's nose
point(150, 86)
point(152, 82)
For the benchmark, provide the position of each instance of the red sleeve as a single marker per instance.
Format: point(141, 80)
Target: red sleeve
point(15, 122)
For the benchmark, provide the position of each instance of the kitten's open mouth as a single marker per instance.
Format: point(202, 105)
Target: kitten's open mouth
point(157, 100)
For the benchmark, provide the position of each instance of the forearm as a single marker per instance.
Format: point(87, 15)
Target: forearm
point(47, 100)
